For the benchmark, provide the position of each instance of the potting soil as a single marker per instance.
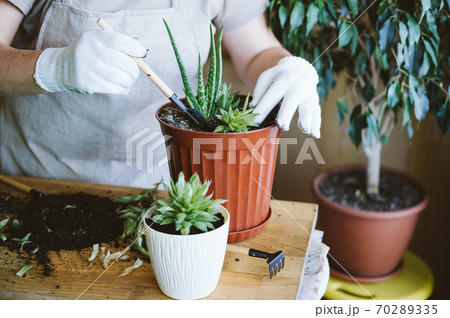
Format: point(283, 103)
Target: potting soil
point(63, 221)
point(348, 188)
point(173, 116)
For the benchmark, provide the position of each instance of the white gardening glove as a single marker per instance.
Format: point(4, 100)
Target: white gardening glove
point(294, 80)
point(96, 61)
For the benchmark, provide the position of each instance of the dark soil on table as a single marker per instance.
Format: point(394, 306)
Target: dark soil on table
point(173, 116)
point(170, 228)
point(63, 221)
point(348, 188)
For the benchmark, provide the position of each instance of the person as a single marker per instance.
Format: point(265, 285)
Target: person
point(71, 96)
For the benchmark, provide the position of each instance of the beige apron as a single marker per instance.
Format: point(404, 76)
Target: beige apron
point(84, 137)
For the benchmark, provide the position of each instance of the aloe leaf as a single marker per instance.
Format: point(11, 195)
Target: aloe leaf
point(187, 85)
point(23, 270)
point(201, 96)
point(211, 84)
point(3, 223)
point(219, 70)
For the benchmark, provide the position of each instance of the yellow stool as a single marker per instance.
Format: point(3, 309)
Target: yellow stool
point(415, 281)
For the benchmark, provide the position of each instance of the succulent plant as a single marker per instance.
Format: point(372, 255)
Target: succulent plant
point(236, 120)
point(187, 205)
point(214, 97)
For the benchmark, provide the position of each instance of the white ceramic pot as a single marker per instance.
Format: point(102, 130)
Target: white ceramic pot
point(187, 266)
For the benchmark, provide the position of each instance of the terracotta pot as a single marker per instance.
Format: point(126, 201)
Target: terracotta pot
point(241, 167)
point(187, 266)
point(366, 243)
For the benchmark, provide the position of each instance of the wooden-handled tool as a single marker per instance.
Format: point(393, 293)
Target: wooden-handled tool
point(20, 186)
point(194, 114)
point(275, 260)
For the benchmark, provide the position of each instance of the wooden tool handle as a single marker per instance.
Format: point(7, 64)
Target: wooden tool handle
point(237, 249)
point(16, 184)
point(143, 66)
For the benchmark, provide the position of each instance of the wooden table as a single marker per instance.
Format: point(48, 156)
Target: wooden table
point(242, 277)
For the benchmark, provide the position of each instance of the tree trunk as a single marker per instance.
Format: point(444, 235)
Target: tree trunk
point(373, 155)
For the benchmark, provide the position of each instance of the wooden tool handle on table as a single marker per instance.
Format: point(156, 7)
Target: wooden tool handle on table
point(143, 66)
point(237, 249)
point(16, 184)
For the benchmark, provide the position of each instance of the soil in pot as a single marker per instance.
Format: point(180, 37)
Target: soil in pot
point(348, 188)
point(170, 228)
point(175, 117)
point(62, 221)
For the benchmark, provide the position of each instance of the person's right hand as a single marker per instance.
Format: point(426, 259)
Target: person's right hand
point(96, 61)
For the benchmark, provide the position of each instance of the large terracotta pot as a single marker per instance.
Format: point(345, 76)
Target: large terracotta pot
point(367, 244)
point(241, 167)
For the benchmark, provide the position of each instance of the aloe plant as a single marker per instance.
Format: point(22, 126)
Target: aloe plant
point(187, 205)
point(214, 96)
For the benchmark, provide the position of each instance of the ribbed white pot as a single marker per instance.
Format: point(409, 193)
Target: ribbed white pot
point(187, 266)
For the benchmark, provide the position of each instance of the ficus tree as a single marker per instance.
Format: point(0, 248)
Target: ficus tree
point(394, 54)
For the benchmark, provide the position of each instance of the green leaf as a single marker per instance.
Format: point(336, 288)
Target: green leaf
point(369, 45)
point(403, 31)
point(353, 5)
point(355, 127)
point(24, 239)
point(429, 48)
point(372, 124)
point(410, 130)
point(3, 237)
point(282, 14)
point(407, 111)
point(297, 15)
point(3, 223)
point(201, 94)
point(187, 84)
point(384, 140)
point(201, 226)
point(426, 5)
point(382, 7)
point(354, 42)
point(16, 223)
point(393, 95)
point(386, 35)
point(425, 67)
point(400, 56)
point(212, 87)
point(421, 102)
point(414, 30)
point(343, 109)
point(361, 63)
point(311, 17)
point(411, 59)
point(344, 9)
point(345, 34)
point(166, 221)
point(219, 71)
point(23, 270)
point(368, 93)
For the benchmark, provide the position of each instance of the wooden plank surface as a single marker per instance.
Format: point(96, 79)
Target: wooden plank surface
point(242, 277)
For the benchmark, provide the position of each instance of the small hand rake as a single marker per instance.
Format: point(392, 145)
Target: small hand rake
point(275, 260)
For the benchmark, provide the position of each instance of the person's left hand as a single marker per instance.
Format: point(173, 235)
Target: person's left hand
point(295, 81)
